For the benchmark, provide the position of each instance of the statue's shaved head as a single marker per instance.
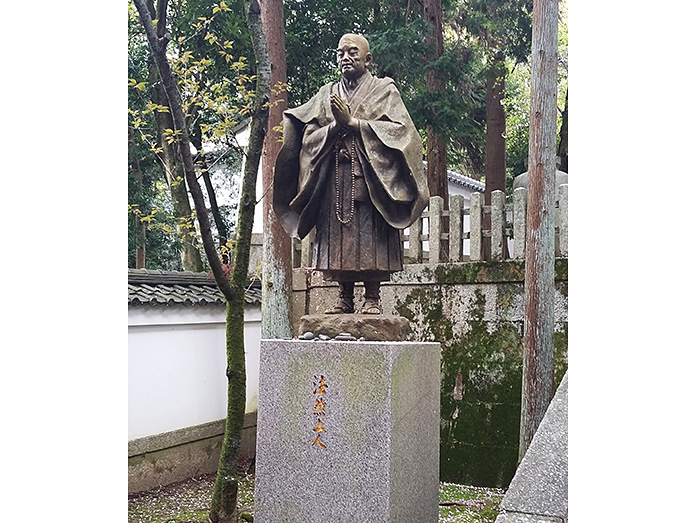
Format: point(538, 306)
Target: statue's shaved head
point(357, 40)
point(353, 56)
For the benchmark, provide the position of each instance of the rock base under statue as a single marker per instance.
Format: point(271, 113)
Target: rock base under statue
point(370, 327)
point(347, 432)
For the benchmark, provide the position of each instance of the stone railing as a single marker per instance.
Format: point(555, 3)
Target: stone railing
point(462, 232)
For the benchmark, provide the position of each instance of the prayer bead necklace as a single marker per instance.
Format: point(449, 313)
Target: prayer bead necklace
point(353, 185)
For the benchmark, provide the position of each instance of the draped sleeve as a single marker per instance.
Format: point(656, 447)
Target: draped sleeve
point(299, 173)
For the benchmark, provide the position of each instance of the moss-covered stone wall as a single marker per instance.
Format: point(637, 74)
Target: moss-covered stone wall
point(475, 310)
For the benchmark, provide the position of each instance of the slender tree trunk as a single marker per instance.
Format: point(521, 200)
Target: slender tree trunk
point(436, 161)
point(174, 173)
point(563, 150)
point(277, 268)
point(495, 167)
point(437, 171)
point(224, 502)
point(135, 168)
point(538, 338)
point(223, 510)
point(200, 159)
point(495, 162)
point(171, 161)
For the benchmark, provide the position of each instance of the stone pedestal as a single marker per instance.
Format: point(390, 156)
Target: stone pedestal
point(347, 432)
point(371, 327)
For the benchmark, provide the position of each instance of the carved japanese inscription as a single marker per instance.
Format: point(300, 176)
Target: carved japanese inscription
point(319, 391)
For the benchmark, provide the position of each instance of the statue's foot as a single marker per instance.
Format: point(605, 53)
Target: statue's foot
point(371, 307)
point(342, 307)
point(339, 310)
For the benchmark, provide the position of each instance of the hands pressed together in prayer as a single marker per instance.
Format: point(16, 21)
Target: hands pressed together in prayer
point(340, 110)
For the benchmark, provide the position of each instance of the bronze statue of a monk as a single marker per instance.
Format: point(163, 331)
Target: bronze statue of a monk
point(351, 166)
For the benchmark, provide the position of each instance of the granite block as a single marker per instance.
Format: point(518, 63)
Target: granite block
point(347, 432)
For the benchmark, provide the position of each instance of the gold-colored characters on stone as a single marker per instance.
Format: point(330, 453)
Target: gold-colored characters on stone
point(319, 390)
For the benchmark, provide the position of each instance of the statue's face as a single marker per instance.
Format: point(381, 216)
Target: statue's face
point(353, 56)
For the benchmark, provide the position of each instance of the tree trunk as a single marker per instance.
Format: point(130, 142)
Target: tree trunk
point(171, 162)
point(135, 168)
point(225, 490)
point(224, 502)
point(563, 150)
point(174, 175)
point(495, 162)
point(437, 171)
point(277, 267)
point(436, 161)
point(538, 337)
point(200, 159)
point(190, 255)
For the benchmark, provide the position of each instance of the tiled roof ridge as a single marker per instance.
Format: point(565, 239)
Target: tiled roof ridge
point(168, 277)
point(162, 287)
point(461, 179)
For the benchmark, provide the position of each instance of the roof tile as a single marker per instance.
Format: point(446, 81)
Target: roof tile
point(159, 287)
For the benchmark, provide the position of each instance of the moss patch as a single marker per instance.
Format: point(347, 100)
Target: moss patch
point(460, 503)
point(481, 369)
point(490, 272)
point(480, 272)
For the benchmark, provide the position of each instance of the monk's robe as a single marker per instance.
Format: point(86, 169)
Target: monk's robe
point(357, 189)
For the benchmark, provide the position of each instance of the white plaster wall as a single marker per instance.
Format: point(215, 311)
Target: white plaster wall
point(454, 188)
point(176, 366)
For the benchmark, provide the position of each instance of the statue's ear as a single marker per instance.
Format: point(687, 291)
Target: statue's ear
point(368, 60)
